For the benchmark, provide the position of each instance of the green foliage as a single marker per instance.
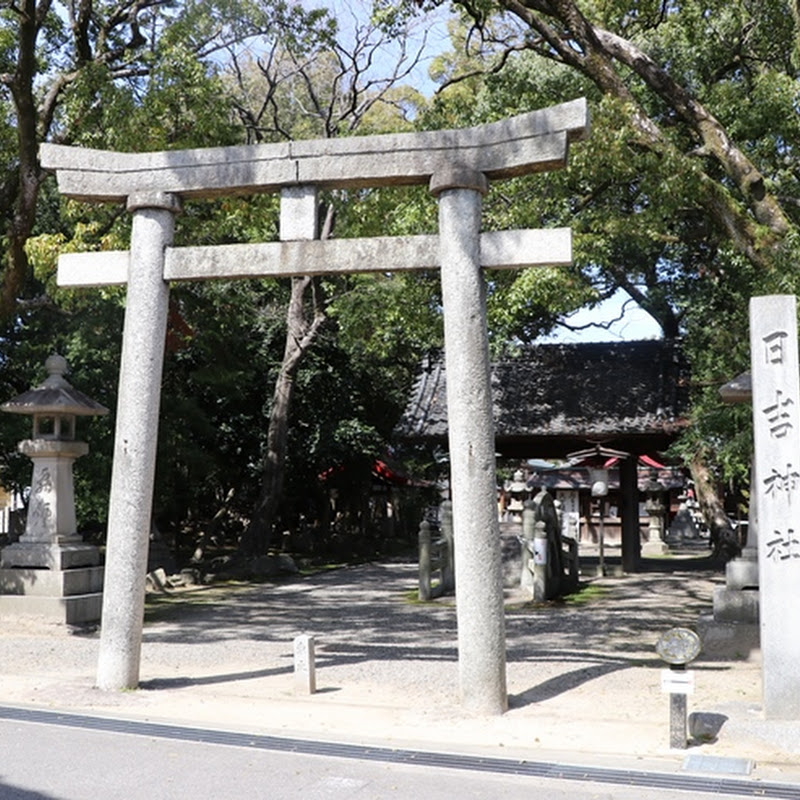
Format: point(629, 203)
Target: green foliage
point(225, 340)
point(644, 208)
point(638, 208)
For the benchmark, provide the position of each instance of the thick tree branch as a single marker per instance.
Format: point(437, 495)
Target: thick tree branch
point(712, 133)
point(594, 51)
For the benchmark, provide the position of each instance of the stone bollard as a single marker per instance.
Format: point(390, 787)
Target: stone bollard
point(424, 561)
point(528, 523)
point(447, 553)
point(305, 673)
point(539, 562)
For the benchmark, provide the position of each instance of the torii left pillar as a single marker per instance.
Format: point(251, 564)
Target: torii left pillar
point(133, 474)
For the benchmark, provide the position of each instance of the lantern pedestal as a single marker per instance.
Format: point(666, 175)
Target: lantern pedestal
point(72, 597)
point(49, 556)
point(50, 572)
point(654, 505)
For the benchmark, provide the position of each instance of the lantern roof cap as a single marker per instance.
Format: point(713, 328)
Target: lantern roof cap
point(738, 390)
point(55, 395)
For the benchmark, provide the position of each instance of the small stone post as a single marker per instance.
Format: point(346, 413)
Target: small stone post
point(447, 565)
point(305, 672)
point(540, 562)
point(528, 522)
point(424, 561)
point(479, 587)
point(678, 718)
point(133, 474)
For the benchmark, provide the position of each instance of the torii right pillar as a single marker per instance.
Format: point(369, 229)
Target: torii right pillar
point(480, 611)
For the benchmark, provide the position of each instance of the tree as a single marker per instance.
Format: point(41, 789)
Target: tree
point(142, 76)
point(136, 75)
point(686, 194)
point(662, 63)
point(314, 86)
point(74, 72)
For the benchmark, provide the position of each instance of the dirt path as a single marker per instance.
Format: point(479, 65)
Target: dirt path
point(580, 677)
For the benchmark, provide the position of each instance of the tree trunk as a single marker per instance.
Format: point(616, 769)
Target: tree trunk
point(570, 37)
point(723, 536)
point(26, 191)
point(300, 334)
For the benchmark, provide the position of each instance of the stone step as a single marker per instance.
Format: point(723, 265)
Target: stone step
point(51, 582)
point(73, 610)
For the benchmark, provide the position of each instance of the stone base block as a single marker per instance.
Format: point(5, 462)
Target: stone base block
point(49, 556)
point(593, 570)
point(735, 605)
point(74, 610)
point(51, 582)
point(728, 639)
point(741, 574)
point(656, 548)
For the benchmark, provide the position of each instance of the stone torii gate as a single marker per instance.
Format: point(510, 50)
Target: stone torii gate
point(457, 164)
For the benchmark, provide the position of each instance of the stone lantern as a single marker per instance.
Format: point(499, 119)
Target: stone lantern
point(654, 505)
point(50, 571)
point(518, 493)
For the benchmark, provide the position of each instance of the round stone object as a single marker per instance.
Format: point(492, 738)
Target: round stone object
point(678, 646)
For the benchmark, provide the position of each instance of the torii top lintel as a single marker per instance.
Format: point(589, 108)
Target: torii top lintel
point(533, 142)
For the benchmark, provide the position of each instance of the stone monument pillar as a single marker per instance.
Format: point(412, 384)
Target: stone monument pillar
point(776, 425)
point(480, 612)
point(50, 571)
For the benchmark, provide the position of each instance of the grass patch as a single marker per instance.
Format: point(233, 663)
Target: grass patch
point(584, 595)
point(411, 597)
point(170, 605)
point(307, 569)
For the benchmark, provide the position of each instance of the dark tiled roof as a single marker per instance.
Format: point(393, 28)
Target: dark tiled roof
point(634, 393)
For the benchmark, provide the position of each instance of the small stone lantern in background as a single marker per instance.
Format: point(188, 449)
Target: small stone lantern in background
point(50, 571)
point(518, 493)
point(654, 505)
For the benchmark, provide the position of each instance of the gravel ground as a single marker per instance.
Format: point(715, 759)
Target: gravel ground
point(581, 678)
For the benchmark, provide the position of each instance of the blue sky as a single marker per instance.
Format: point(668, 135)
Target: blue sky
point(635, 324)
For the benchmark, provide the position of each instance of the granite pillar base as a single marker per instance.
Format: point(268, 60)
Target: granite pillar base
point(654, 549)
point(730, 640)
point(75, 610)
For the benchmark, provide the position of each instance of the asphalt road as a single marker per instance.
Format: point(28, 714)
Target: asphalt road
point(90, 758)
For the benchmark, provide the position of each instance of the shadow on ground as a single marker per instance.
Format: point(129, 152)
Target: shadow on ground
point(364, 616)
